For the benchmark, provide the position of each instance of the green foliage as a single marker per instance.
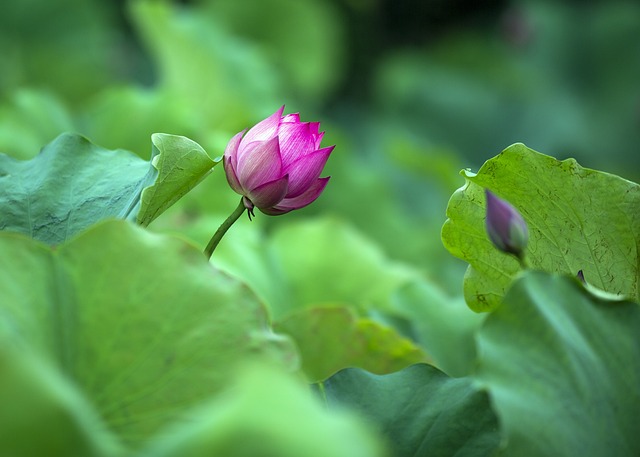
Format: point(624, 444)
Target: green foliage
point(181, 165)
point(30, 119)
point(578, 219)
point(419, 410)
point(207, 74)
point(139, 321)
point(443, 325)
point(340, 265)
point(117, 342)
point(544, 73)
point(267, 413)
point(60, 46)
point(333, 337)
point(324, 282)
point(313, 262)
point(562, 367)
point(545, 361)
point(73, 184)
point(306, 59)
point(36, 398)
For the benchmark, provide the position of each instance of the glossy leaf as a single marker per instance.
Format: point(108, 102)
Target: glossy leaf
point(333, 337)
point(563, 369)
point(73, 184)
point(140, 322)
point(578, 219)
point(419, 410)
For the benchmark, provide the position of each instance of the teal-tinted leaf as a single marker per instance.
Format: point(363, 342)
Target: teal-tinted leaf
point(140, 321)
point(334, 337)
point(181, 165)
point(43, 414)
point(419, 410)
point(578, 219)
point(563, 369)
point(267, 414)
point(70, 185)
point(73, 184)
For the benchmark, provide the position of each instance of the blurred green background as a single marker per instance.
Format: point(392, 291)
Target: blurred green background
point(410, 91)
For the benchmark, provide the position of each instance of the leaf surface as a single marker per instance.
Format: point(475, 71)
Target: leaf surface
point(419, 410)
point(334, 337)
point(578, 219)
point(73, 184)
point(141, 322)
point(563, 369)
point(37, 400)
point(181, 165)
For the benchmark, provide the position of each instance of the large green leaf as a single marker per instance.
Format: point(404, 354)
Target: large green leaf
point(563, 369)
point(333, 337)
point(38, 402)
point(419, 410)
point(73, 183)
point(140, 321)
point(267, 414)
point(579, 219)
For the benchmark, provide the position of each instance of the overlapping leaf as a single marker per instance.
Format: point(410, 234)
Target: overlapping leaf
point(181, 164)
point(563, 369)
point(443, 325)
point(334, 337)
point(579, 219)
point(73, 184)
point(139, 321)
point(419, 410)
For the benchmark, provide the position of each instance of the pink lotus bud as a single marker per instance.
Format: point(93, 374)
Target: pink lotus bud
point(276, 166)
point(505, 226)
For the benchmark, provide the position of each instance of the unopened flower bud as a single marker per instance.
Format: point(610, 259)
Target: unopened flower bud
point(276, 166)
point(506, 228)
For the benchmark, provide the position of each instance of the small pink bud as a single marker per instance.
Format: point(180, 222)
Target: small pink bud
point(276, 166)
point(506, 228)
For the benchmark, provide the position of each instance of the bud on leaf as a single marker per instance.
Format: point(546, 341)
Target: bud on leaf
point(506, 228)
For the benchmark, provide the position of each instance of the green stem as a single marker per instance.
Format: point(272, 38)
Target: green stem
point(215, 239)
